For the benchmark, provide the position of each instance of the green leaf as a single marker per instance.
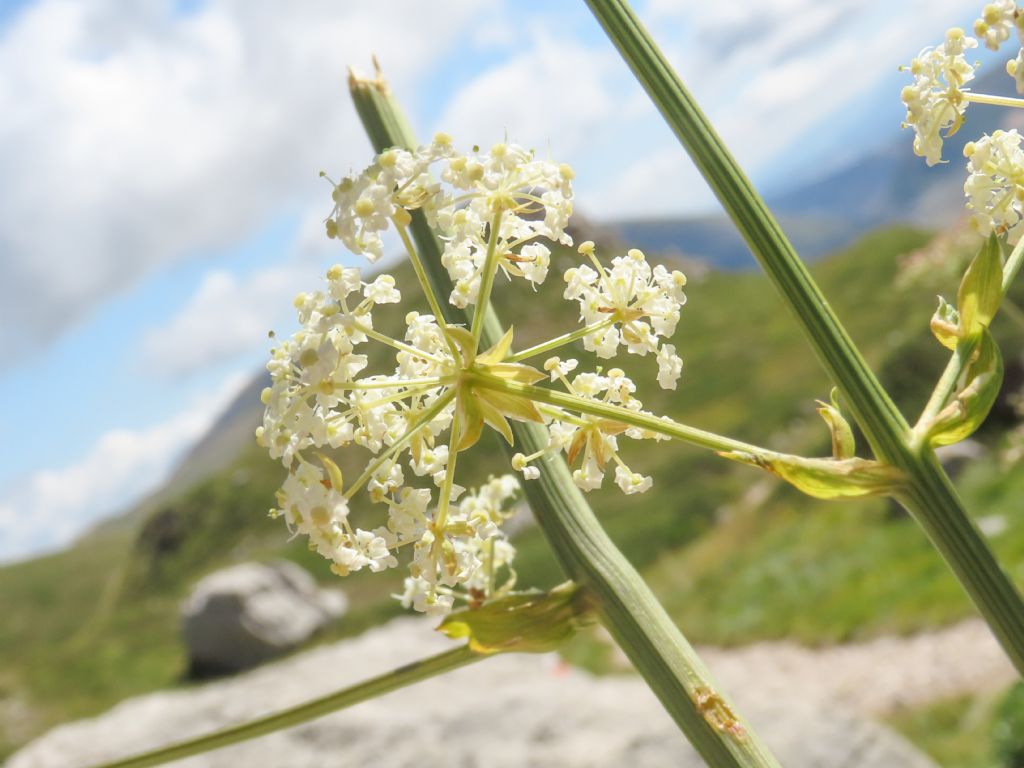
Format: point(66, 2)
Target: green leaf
point(470, 419)
point(523, 622)
point(981, 290)
point(494, 417)
point(499, 351)
point(843, 445)
point(521, 408)
point(524, 374)
point(827, 478)
point(971, 405)
point(465, 342)
point(945, 324)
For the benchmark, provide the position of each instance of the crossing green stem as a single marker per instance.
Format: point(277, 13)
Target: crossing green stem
point(932, 500)
point(311, 710)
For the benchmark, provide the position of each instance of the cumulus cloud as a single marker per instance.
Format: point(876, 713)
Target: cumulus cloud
point(138, 135)
point(766, 79)
point(51, 506)
point(555, 91)
point(227, 317)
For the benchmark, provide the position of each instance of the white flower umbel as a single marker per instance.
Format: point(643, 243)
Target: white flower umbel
point(628, 305)
point(440, 390)
point(995, 184)
point(499, 204)
point(936, 99)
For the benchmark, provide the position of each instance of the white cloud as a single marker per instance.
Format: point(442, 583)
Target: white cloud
point(227, 317)
point(135, 136)
point(51, 506)
point(767, 78)
point(555, 92)
point(662, 183)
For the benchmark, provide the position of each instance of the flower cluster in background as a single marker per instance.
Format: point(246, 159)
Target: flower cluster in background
point(937, 101)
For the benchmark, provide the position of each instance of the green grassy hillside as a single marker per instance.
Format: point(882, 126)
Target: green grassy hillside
point(734, 555)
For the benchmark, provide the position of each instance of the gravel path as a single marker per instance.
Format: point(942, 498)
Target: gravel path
point(811, 707)
point(875, 677)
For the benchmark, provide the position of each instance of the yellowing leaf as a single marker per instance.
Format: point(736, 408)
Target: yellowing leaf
point(470, 418)
point(494, 417)
point(519, 408)
point(843, 446)
point(499, 351)
point(981, 289)
point(827, 478)
point(525, 622)
point(464, 341)
point(971, 405)
point(945, 325)
point(524, 374)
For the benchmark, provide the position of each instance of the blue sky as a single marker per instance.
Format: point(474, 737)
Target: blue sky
point(161, 203)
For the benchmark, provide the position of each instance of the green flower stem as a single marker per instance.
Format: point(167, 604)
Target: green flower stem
point(483, 299)
point(303, 713)
point(625, 604)
point(425, 418)
point(932, 500)
point(965, 350)
point(661, 426)
point(561, 341)
point(998, 101)
point(399, 345)
point(449, 473)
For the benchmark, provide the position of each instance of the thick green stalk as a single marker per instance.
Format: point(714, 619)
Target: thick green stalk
point(624, 602)
point(932, 501)
point(311, 710)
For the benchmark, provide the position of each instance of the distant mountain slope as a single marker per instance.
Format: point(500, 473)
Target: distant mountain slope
point(886, 186)
point(215, 450)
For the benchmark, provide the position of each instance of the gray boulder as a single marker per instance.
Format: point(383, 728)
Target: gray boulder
point(511, 711)
point(241, 616)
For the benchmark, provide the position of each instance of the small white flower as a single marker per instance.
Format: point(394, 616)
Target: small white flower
point(631, 482)
point(670, 367)
point(934, 101)
point(533, 261)
point(420, 595)
point(382, 291)
point(996, 23)
point(559, 368)
point(588, 477)
point(521, 464)
point(1015, 69)
point(995, 184)
point(642, 303)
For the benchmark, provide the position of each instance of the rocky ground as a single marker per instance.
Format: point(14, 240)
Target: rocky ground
point(811, 706)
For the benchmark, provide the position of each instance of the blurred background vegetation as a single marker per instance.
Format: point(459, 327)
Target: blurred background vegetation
point(735, 556)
